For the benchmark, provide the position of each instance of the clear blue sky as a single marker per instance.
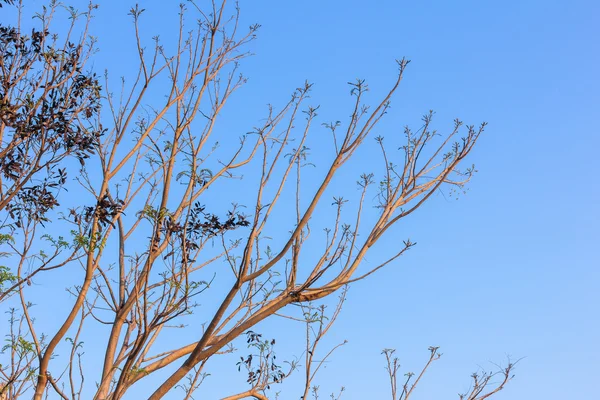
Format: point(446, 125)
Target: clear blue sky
point(510, 268)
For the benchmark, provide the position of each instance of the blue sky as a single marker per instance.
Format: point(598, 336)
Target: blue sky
point(512, 266)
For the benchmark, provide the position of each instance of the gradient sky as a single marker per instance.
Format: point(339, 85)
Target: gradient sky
point(512, 267)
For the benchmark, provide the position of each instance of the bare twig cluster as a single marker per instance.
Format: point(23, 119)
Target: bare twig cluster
point(483, 385)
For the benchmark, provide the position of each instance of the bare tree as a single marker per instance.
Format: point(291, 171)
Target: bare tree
point(150, 229)
point(482, 387)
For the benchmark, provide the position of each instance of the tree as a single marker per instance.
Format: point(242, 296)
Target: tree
point(150, 231)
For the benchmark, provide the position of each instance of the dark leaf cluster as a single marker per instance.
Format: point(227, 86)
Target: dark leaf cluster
point(273, 372)
point(105, 210)
point(202, 224)
point(34, 201)
point(47, 107)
